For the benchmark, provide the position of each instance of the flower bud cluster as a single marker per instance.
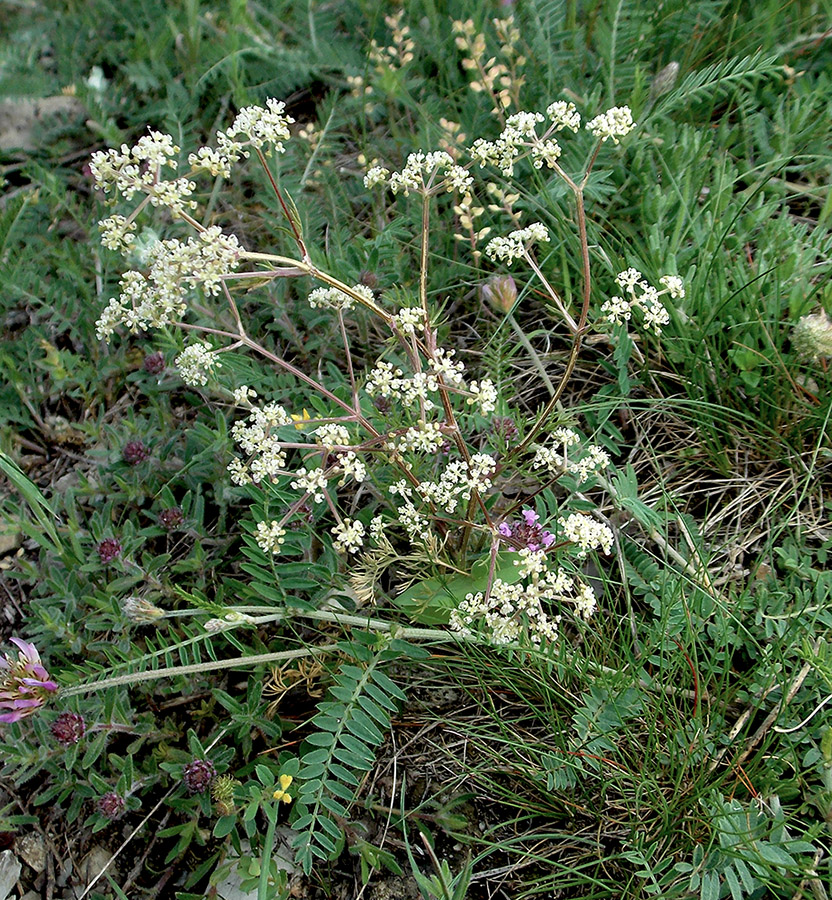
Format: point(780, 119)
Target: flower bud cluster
point(398, 54)
point(499, 80)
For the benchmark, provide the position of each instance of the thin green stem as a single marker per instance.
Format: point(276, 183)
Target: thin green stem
point(241, 661)
point(423, 256)
point(266, 858)
point(533, 354)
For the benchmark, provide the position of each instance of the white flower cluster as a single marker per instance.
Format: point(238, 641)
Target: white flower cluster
point(386, 380)
point(443, 366)
point(515, 245)
point(196, 362)
point(270, 536)
point(256, 438)
point(593, 460)
point(427, 173)
point(313, 482)
point(812, 336)
point(208, 160)
point(516, 612)
point(333, 298)
point(258, 126)
point(424, 437)
point(564, 115)
point(138, 168)
point(458, 480)
point(156, 299)
point(414, 523)
point(117, 233)
point(349, 536)
point(484, 395)
point(643, 296)
point(332, 435)
point(511, 613)
point(614, 123)
point(586, 533)
point(519, 134)
point(351, 466)
point(520, 138)
point(409, 320)
point(243, 395)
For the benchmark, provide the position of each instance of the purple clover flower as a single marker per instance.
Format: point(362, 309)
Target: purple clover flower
point(25, 684)
point(111, 805)
point(528, 532)
point(197, 775)
point(68, 728)
point(134, 452)
point(109, 549)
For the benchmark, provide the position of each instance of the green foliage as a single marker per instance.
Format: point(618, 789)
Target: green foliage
point(601, 770)
point(351, 725)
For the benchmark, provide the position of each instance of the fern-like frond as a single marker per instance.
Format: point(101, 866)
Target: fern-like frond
point(715, 82)
point(351, 724)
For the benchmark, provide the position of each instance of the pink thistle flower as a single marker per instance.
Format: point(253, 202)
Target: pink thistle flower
point(528, 533)
point(25, 684)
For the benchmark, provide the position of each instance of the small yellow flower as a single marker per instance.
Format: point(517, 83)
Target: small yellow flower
point(300, 421)
point(285, 781)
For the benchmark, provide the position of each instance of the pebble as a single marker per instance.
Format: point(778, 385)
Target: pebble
point(9, 873)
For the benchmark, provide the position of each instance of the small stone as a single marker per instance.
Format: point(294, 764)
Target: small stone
point(95, 862)
point(31, 848)
point(9, 873)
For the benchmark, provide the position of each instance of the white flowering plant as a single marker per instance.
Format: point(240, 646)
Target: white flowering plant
point(409, 455)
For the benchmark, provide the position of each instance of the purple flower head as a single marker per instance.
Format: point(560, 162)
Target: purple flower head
point(171, 519)
point(68, 728)
point(109, 549)
point(528, 532)
point(197, 775)
point(25, 684)
point(135, 452)
point(111, 805)
point(154, 363)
